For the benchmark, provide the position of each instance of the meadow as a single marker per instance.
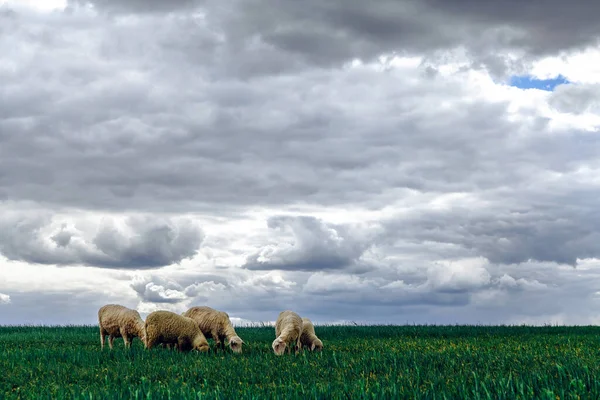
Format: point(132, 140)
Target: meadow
point(358, 362)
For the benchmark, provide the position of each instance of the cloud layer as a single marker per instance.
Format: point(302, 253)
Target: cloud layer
point(352, 161)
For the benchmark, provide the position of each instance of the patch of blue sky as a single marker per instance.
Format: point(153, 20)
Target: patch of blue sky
point(529, 82)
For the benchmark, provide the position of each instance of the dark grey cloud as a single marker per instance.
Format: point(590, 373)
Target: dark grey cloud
point(142, 243)
point(556, 223)
point(153, 128)
point(333, 32)
point(273, 37)
point(314, 246)
point(544, 27)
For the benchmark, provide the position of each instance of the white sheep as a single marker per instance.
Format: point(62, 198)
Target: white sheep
point(119, 321)
point(288, 329)
point(166, 327)
point(216, 325)
point(308, 337)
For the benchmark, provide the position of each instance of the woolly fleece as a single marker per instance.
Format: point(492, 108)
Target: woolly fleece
point(309, 338)
point(170, 328)
point(118, 321)
point(216, 325)
point(288, 329)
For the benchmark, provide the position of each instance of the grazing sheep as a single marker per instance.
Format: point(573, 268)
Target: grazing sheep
point(216, 325)
point(119, 321)
point(309, 338)
point(288, 329)
point(166, 327)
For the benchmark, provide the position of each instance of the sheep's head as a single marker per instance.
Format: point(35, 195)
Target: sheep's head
point(278, 346)
point(202, 348)
point(144, 339)
point(316, 345)
point(141, 332)
point(200, 343)
point(236, 344)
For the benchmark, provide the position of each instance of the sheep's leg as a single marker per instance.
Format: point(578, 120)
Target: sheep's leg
point(110, 341)
point(216, 338)
point(182, 344)
point(125, 337)
point(298, 346)
point(101, 339)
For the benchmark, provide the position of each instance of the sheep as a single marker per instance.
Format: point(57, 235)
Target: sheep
point(308, 337)
point(288, 329)
point(216, 325)
point(166, 327)
point(118, 321)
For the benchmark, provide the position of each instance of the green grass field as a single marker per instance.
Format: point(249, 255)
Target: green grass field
point(358, 362)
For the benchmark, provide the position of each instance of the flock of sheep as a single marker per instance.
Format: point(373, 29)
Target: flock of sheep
point(191, 329)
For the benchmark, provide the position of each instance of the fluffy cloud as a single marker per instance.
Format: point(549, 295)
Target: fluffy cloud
point(4, 299)
point(137, 242)
point(315, 246)
point(156, 289)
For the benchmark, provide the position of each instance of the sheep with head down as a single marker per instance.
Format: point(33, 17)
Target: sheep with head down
point(288, 329)
point(171, 329)
point(216, 324)
point(308, 337)
point(116, 321)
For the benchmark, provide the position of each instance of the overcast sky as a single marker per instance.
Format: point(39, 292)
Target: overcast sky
point(393, 161)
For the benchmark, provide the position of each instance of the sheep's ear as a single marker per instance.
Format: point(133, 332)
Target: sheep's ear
point(312, 347)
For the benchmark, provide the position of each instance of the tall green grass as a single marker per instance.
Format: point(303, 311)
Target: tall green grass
point(358, 362)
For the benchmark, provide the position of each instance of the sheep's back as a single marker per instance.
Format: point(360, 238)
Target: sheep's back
point(307, 327)
point(112, 316)
point(170, 326)
point(288, 321)
point(208, 319)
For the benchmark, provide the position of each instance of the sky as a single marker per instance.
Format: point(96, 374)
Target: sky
point(390, 162)
point(530, 82)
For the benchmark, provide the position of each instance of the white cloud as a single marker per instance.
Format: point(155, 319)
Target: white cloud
point(467, 274)
point(4, 299)
point(579, 67)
